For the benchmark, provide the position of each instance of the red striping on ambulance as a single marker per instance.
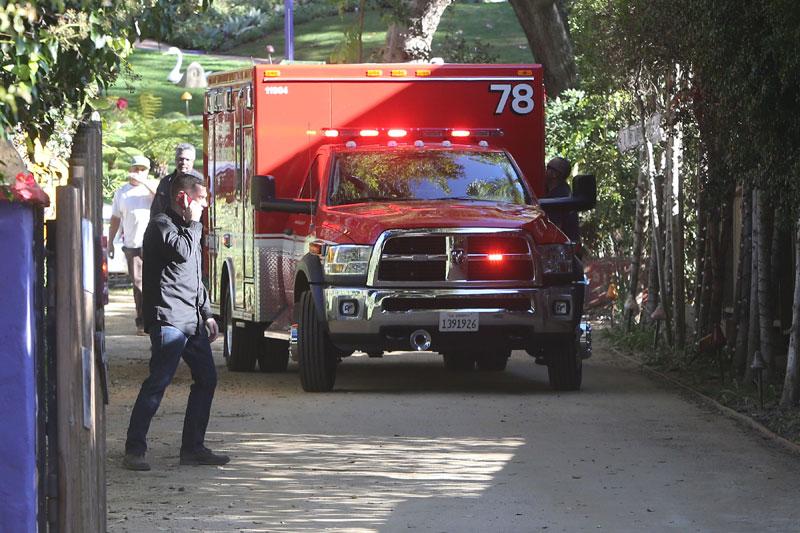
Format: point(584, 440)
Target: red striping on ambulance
point(387, 207)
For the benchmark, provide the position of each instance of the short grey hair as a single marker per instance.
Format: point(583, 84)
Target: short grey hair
point(185, 146)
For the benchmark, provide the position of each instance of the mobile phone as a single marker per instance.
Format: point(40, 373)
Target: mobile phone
point(183, 199)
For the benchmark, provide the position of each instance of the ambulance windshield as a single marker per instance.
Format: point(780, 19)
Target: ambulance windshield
point(390, 176)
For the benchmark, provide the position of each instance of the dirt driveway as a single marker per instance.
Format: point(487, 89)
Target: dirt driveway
point(403, 445)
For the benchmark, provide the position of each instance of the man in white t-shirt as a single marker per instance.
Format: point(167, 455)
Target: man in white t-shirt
point(131, 211)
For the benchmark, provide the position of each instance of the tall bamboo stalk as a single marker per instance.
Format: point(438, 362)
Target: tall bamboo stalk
point(791, 382)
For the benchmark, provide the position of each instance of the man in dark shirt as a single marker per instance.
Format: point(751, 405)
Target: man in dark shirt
point(184, 164)
point(556, 174)
point(176, 314)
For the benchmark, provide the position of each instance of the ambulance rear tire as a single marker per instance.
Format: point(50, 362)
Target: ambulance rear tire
point(274, 356)
point(239, 344)
point(316, 355)
point(565, 366)
point(493, 361)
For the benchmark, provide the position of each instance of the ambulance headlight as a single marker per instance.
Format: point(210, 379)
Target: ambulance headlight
point(556, 258)
point(346, 259)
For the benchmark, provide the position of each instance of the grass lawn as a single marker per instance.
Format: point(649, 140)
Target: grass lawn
point(152, 69)
point(315, 41)
point(493, 23)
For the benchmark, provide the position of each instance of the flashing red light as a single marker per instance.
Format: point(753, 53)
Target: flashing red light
point(495, 258)
point(397, 133)
point(459, 133)
point(368, 133)
point(331, 133)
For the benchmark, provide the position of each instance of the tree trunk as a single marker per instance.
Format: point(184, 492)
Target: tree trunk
point(704, 303)
point(638, 234)
point(753, 324)
point(742, 314)
point(656, 224)
point(719, 257)
point(362, 4)
point(791, 383)
point(678, 254)
point(700, 257)
point(764, 293)
point(653, 296)
point(410, 39)
point(547, 32)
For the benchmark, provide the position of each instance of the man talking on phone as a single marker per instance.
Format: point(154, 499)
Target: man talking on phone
point(177, 316)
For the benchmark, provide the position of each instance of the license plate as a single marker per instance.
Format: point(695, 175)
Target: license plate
point(458, 321)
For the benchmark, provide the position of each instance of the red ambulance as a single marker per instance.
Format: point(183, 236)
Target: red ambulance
point(387, 207)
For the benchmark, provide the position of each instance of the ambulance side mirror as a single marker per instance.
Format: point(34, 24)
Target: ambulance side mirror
point(262, 195)
point(262, 188)
point(584, 196)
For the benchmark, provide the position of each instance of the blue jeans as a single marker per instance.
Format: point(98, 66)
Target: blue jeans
point(169, 344)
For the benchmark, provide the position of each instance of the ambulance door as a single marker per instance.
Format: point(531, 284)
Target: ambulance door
point(245, 161)
point(301, 225)
point(211, 237)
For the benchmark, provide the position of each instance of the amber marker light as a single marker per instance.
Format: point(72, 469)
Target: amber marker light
point(398, 73)
point(423, 73)
point(459, 133)
point(374, 72)
point(272, 73)
point(524, 73)
point(397, 133)
point(368, 133)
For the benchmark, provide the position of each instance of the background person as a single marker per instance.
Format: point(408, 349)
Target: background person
point(556, 174)
point(131, 210)
point(178, 318)
point(184, 163)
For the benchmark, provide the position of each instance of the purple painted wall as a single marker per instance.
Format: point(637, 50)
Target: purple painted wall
point(17, 381)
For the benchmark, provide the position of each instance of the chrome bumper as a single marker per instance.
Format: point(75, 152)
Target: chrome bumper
point(370, 314)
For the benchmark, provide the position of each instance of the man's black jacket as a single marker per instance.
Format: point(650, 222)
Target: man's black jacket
point(172, 287)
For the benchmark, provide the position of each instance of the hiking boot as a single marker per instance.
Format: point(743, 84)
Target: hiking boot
point(135, 462)
point(203, 456)
point(140, 331)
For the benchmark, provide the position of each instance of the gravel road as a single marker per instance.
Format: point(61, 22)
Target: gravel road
point(404, 445)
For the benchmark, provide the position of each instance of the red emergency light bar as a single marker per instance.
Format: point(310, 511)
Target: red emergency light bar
point(440, 133)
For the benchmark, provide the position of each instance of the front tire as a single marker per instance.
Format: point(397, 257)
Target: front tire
point(564, 366)
point(317, 357)
point(239, 346)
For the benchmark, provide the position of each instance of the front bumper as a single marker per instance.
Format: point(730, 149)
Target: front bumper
point(385, 319)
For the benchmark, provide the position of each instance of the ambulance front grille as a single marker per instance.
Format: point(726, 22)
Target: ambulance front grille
point(456, 257)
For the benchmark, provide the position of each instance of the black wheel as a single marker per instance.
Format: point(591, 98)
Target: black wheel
point(459, 362)
point(317, 357)
point(493, 361)
point(564, 366)
point(274, 357)
point(239, 346)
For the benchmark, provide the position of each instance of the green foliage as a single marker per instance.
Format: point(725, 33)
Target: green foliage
point(151, 70)
point(128, 132)
point(318, 35)
point(56, 56)
point(583, 128)
point(455, 49)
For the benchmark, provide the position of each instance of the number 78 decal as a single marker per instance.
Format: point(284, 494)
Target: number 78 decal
point(521, 97)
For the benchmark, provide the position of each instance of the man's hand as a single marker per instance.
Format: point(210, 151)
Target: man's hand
point(195, 211)
point(213, 329)
point(111, 250)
